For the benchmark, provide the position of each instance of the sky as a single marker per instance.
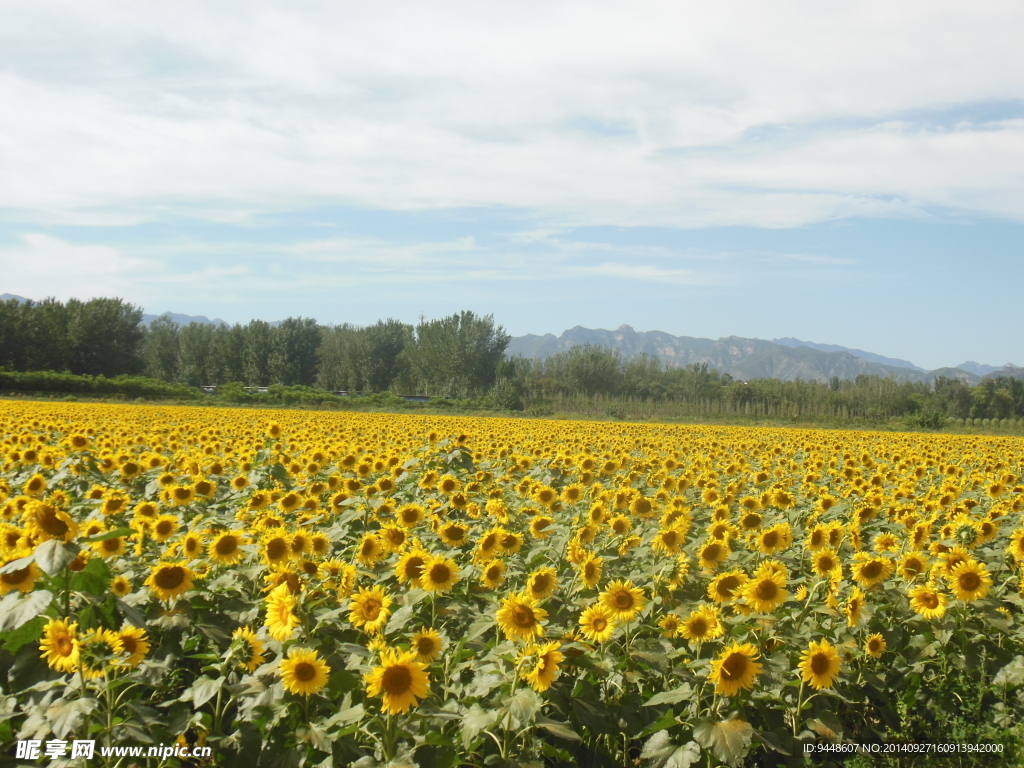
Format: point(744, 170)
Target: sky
point(845, 173)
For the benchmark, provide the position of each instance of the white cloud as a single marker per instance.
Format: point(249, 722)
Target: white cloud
point(594, 112)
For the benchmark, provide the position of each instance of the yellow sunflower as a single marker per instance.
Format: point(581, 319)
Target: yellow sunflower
point(726, 586)
point(250, 649)
point(281, 620)
point(135, 643)
point(22, 579)
point(597, 623)
point(520, 617)
point(970, 581)
point(541, 583)
point(819, 664)
point(590, 570)
point(928, 601)
point(766, 593)
point(735, 669)
point(370, 609)
point(543, 661)
point(428, 645)
point(701, 625)
point(874, 645)
point(304, 673)
point(60, 645)
point(168, 580)
point(624, 600)
point(439, 574)
point(400, 680)
point(226, 548)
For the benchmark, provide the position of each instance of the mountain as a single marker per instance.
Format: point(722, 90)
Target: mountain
point(871, 357)
point(1012, 371)
point(10, 296)
point(184, 319)
point(978, 369)
point(742, 358)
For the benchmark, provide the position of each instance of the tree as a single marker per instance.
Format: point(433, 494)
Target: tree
point(162, 349)
point(104, 337)
point(294, 352)
point(457, 356)
point(257, 338)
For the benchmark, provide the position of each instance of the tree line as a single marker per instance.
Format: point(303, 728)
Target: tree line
point(459, 356)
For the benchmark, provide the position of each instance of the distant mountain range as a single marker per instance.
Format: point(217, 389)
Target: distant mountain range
point(745, 359)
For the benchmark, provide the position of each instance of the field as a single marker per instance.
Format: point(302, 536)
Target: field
point(310, 588)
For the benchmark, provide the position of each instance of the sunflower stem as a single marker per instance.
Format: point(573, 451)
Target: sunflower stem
point(799, 707)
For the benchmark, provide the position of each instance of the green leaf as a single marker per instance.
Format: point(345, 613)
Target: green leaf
point(94, 578)
point(827, 725)
point(17, 565)
point(728, 739)
point(1012, 674)
point(25, 634)
point(681, 693)
point(555, 728)
point(64, 715)
point(474, 721)
point(54, 556)
point(117, 533)
point(205, 689)
point(524, 705)
point(16, 610)
point(661, 752)
point(399, 618)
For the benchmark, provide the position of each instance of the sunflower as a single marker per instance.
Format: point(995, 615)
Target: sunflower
point(766, 593)
point(590, 570)
point(775, 539)
point(726, 586)
point(825, 561)
point(735, 669)
point(624, 600)
point(179, 495)
point(120, 586)
point(970, 581)
point(226, 548)
point(428, 645)
point(276, 546)
point(597, 623)
point(168, 580)
point(45, 521)
point(22, 579)
point(98, 648)
point(620, 525)
point(409, 567)
point(544, 660)
point(370, 609)
point(34, 486)
point(712, 553)
point(1016, 547)
point(702, 624)
point(135, 643)
point(874, 645)
point(541, 583)
point(492, 574)
point(113, 547)
point(869, 571)
point(854, 607)
point(819, 664)
point(60, 645)
point(670, 625)
point(453, 534)
point(370, 549)
point(304, 672)
point(400, 680)
point(250, 648)
point(281, 620)
point(669, 541)
point(520, 617)
point(439, 574)
point(191, 545)
point(511, 543)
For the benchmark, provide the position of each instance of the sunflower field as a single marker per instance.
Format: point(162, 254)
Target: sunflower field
point(315, 588)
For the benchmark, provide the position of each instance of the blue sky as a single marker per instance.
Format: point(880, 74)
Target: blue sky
point(848, 175)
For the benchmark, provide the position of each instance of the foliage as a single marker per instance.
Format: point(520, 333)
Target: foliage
point(125, 386)
point(249, 580)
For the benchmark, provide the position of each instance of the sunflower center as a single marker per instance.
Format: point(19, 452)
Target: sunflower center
point(425, 646)
point(15, 577)
point(712, 552)
point(767, 589)
point(171, 577)
point(541, 582)
point(599, 624)
point(440, 573)
point(276, 549)
point(930, 600)
point(371, 608)
point(164, 527)
point(304, 671)
point(820, 663)
point(728, 585)
point(827, 563)
point(872, 570)
point(522, 616)
point(50, 523)
point(770, 539)
point(396, 680)
point(623, 600)
point(112, 545)
point(227, 545)
point(734, 667)
point(698, 627)
point(969, 581)
point(65, 645)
